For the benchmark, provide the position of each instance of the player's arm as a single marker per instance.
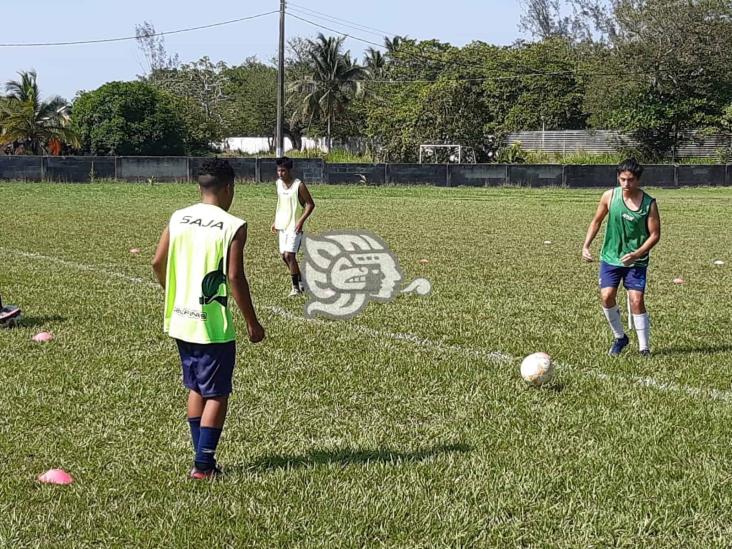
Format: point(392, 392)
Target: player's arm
point(602, 210)
point(240, 286)
point(308, 204)
point(654, 230)
point(160, 261)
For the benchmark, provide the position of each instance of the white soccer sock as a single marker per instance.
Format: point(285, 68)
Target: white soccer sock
point(643, 329)
point(616, 323)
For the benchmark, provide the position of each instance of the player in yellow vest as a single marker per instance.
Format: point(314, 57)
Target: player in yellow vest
point(291, 193)
point(633, 228)
point(200, 264)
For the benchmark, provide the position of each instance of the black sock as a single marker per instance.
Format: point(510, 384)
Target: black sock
point(295, 280)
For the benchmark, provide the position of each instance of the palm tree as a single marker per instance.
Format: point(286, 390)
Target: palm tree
point(333, 81)
point(27, 121)
point(375, 63)
point(393, 44)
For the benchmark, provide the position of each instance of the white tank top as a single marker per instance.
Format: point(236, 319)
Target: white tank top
point(288, 202)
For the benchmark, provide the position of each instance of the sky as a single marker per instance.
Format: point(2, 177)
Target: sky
point(65, 70)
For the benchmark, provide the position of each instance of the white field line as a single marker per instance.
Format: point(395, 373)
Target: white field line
point(470, 352)
point(80, 267)
point(499, 356)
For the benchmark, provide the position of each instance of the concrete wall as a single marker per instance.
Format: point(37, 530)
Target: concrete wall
point(540, 175)
point(87, 168)
point(21, 168)
point(365, 174)
point(78, 169)
point(160, 168)
point(417, 174)
point(244, 168)
point(309, 170)
point(477, 175)
point(702, 175)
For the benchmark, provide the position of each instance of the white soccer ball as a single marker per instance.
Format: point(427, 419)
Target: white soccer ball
point(537, 369)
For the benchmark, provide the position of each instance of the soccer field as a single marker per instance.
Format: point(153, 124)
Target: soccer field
point(408, 425)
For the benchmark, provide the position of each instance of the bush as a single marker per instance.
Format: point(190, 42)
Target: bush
point(129, 118)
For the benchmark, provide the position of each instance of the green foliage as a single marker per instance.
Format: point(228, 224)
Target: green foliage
point(669, 71)
point(513, 154)
point(427, 102)
point(129, 118)
point(534, 86)
point(251, 89)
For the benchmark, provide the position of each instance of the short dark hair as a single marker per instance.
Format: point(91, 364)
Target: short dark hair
point(215, 173)
point(285, 162)
point(630, 165)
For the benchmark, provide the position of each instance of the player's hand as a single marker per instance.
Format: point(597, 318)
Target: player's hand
point(272, 228)
point(256, 332)
point(298, 227)
point(586, 255)
point(629, 259)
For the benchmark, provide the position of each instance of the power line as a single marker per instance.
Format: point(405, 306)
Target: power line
point(348, 35)
point(125, 38)
point(333, 18)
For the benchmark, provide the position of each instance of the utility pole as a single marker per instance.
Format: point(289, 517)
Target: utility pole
point(281, 85)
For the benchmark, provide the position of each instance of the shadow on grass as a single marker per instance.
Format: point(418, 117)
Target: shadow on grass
point(36, 321)
point(704, 349)
point(349, 456)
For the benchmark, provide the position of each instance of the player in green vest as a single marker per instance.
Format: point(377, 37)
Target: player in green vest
point(633, 229)
point(200, 264)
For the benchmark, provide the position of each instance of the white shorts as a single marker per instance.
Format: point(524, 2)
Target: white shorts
point(289, 241)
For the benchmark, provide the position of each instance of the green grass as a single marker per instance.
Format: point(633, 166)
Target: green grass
point(338, 437)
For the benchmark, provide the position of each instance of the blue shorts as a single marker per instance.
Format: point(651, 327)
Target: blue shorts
point(207, 368)
point(634, 278)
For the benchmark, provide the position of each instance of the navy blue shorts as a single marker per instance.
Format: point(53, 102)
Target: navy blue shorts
point(634, 278)
point(207, 368)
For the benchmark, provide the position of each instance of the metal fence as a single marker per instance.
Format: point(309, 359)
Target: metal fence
point(694, 144)
point(83, 169)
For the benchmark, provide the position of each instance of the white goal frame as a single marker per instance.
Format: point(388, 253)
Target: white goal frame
point(467, 153)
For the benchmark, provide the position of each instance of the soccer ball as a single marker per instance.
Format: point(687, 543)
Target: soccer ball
point(537, 369)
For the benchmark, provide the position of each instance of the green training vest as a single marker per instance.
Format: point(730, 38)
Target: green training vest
point(626, 229)
point(197, 295)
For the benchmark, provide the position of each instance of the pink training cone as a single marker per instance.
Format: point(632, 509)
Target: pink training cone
point(56, 476)
point(42, 337)
point(134, 250)
point(678, 280)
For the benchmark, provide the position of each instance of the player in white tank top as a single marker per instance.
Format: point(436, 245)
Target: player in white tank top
point(291, 194)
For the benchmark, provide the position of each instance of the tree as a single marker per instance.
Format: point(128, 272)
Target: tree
point(435, 96)
point(375, 62)
point(332, 82)
point(31, 124)
point(153, 48)
point(252, 90)
point(129, 118)
point(575, 20)
point(533, 86)
point(668, 71)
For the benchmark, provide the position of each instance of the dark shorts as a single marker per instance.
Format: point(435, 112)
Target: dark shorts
point(207, 368)
point(634, 278)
